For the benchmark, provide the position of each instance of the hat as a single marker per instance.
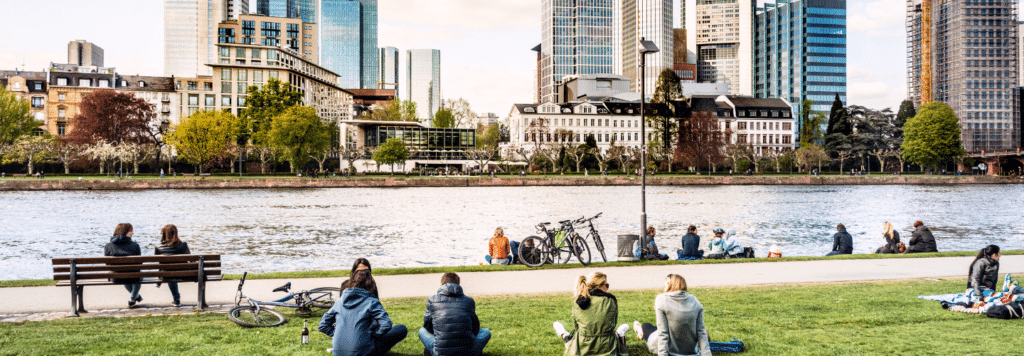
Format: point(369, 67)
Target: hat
point(719, 231)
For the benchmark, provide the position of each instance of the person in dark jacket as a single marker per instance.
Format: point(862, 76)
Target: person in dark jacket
point(170, 244)
point(691, 245)
point(922, 239)
point(842, 242)
point(984, 271)
point(358, 265)
point(892, 240)
point(121, 244)
point(450, 325)
point(358, 323)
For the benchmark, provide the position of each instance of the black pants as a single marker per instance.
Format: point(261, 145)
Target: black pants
point(647, 330)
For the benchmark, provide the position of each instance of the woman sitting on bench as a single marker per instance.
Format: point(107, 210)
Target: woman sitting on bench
point(170, 244)
point(121, 244)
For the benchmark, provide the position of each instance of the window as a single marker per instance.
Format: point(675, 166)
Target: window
point(61, 112)
point(225, 87)
point(223, 51)
point(17, 85)
point(243, 75)
point(242, 88)
point(273, 74)
point(225, 74)
point(256, 53)
point(37, 102)
point(742, 125)
point(240, 52)
point(85, 82)
point(241, 101)
point(193, 99)
point(210, 100)
point(61, 129)
point(787, 126)
point(225, 100)
point(39, 86)
point(257, 76)
point(62, 81)
point(60, 97)
point(208, 86)
point(193, 85)
point(142, 84)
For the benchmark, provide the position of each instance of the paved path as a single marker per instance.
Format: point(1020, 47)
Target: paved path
point(53, 300)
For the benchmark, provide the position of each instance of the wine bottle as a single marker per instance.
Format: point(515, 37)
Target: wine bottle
point(305, 333)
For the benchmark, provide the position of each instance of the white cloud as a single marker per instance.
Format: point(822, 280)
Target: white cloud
point(481, 15)
point(876, 17)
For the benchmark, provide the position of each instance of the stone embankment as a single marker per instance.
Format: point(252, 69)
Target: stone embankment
point(398, 181)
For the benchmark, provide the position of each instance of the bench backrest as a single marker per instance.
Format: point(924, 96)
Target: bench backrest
point(135, 266)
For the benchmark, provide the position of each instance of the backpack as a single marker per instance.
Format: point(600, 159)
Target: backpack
point(1012, 310)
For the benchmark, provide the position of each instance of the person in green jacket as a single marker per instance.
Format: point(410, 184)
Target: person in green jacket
point(594, 315)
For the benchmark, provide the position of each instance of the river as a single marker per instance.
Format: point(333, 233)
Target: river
point(324, 229)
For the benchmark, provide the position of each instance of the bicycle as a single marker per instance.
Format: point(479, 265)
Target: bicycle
point(256, 314)
point(593, 235)
point(558, 245)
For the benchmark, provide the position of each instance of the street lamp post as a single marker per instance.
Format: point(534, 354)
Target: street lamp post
point(645, 48)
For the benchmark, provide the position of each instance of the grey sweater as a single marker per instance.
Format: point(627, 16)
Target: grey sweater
point(680, 318)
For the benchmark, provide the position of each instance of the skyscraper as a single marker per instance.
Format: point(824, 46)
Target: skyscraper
point(423, 70)
point(801, 52)
point(721, 41)
point(304, 9)
point(965, 54)
point(83, 53)
point(190, 35)
point(577, 37)
point(348, 41)
point(236, 8)
point(651, 20)
point(389, 69)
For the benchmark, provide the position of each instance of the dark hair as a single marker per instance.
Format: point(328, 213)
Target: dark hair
point(840, 227)
point(988, 251)
point(449, 278)
point(169, 236)
point(364, 280)
point(122, 229)
point(361, 261)
point(691, 229)
point(918, 223)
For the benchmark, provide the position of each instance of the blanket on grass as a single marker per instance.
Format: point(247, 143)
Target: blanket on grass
point(975, 304)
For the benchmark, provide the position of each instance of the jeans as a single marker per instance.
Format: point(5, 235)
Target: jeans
point(514, 247)
point(833, 253)
point(497, 261)
point(134, 290)
point(383, 344)
point(482, 337)
point(174, 290)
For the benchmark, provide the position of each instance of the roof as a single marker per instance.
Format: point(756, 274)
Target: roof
point(151, 83)
point(609, 107)
point(381, 123)
point(751, 102)
point(28, 75)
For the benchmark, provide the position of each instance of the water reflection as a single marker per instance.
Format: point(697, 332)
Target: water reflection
point(290, 230)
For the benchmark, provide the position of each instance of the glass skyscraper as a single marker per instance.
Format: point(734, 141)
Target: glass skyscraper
point(304, 9)
point(190, 35)
point(800, 52)
point(423, 69)
point(389, 69)
point(577, 37)
point(348, 41)
point(652, 20)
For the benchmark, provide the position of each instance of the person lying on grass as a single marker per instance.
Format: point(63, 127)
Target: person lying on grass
point(680, 322)
point(594, 315)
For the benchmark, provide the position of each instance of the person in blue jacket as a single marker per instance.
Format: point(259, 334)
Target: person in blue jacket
point(358, 323)
point(450, 325)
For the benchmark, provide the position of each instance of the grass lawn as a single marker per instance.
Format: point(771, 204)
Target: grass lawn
point(880, 318)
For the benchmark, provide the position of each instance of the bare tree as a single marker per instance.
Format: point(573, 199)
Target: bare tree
point(350, 154)
point(842, 156)
point(321, 157)
point(615, 154)
point(898, 155)
point(265, 154)
point(699, 139)
point(735, 152)
point(66, 153)
point(550, 152)
point(880, 154)
point(527, 155)
point(578, 153)
point(482, 156)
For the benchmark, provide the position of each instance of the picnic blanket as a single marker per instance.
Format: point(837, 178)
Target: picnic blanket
point(1011, 292)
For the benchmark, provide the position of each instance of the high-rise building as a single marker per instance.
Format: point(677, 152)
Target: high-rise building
point(720, 34)
point(236, 8)
point(296, 9)
point(348, 41)
point(423, 71)
point(577, 37)
point(190, 35)
point(388, 69)
point(801, 52)
point(83, 53)
point(652, 21)
point(288, 34)
point(965, 54)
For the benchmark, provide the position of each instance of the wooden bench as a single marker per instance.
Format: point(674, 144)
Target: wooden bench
point(97, 271)
point(19, 175)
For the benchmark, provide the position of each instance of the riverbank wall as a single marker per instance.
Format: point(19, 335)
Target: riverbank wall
point(401, 182)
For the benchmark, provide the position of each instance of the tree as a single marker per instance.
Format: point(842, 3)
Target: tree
point(391, 152)
point(30, 149)
point(810, 124)
point(460, 110)
point(932, 137)
point(551, 152)
point(811, 154)
point(482, 156)
point(265, 154)
point(15, 119)
point(350, 154)
point(203, 136)
point(443, 119)
point(299, 132)
point(66, 153)
point(262, 105)
point(322, 156)
point(737, 151)
point(842, 156)
point(579, 153)
point(490, 138)
point(135, 153)
point(114, 117)
point(103, 152)
point(699, 140)
point(906, 112)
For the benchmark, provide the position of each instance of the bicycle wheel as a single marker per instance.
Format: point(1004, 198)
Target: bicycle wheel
point(581, 250)
point(599, 245)
point(324, 297)
point(247, 316)
point(533, 251)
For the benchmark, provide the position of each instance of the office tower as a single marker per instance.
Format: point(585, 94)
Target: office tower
point(295, 9)
point(965, 54)
point(190, 35)
point(83, 53)
point(236, 8)
point(288, 34)
point(423, 72)
point(389, 69)
point(721, 41)
point(801, 52)
point(576, 38)
point(348, 41)
point(651, 20)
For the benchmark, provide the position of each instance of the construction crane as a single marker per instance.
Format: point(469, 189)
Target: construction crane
point(926, 51)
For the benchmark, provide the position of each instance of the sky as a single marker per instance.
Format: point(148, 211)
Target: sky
point(485, 45)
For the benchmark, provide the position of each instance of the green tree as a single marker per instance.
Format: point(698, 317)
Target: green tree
point(906, 112)
point(30, 149)
point(668, 90)
point(668, 87)
point(443, 119)
point(932, 137)
point(204, 136)
point(393, 151)
point(810, 124)
point(299, 133)
point(15, 119)
point(460, 110)
point(395, 110)
point(490, 137)
point(262, 105)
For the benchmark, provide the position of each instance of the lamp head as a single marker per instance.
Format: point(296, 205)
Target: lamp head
point(647, 47)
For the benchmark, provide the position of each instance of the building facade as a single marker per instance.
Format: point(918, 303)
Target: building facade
point(720, 34)
point(66, 90)
point(194, 94)
point(190, 35)
point(304, 10)
point(348, 35)
point(652, 21)
point(535, 126)
point(801, 52)
point(235, 8)
point(423, 72)
point(577, 38)
point(157, 91)
point(388, 69)
point(83, 53)
point(31, 87)
point(764, 125)
point(289, 34)
point(966, 54)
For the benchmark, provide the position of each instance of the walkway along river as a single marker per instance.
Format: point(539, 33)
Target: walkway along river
point(321, 229)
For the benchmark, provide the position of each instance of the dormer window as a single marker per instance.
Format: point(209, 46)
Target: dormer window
point(142, 84)
point(566, 111)
point(528, 109)
point(62, 81)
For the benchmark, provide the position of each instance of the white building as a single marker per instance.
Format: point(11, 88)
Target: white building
point(764, 124)
point(533, 126)
point(190, 35)
point(719, 33)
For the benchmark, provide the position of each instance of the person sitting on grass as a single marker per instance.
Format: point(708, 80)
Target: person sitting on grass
point(358, 323)
point(716, 247)
point(450, 325)
point(594, 315)
point(648, 249)
point(842, 243)
point(892, 240)
point(359, 265)
point(501, 251)
point(733, 247)
point(121, 244)
point(922, 240)
point(691, 245)
point(680, 322)
point(984, 272)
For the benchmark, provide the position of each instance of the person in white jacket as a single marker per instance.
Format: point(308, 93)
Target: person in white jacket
point(680, 323)
point(733, 247)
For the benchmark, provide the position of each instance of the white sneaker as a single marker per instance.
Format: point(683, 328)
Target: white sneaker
point(639, 329)
point(560, 331)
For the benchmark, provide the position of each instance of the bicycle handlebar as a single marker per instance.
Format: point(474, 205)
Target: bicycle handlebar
point(242, 281)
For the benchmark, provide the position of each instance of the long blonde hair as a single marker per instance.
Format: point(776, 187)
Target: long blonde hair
point(499, 232)
point(584, 284)
point(675, 282)
point(887, 229)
